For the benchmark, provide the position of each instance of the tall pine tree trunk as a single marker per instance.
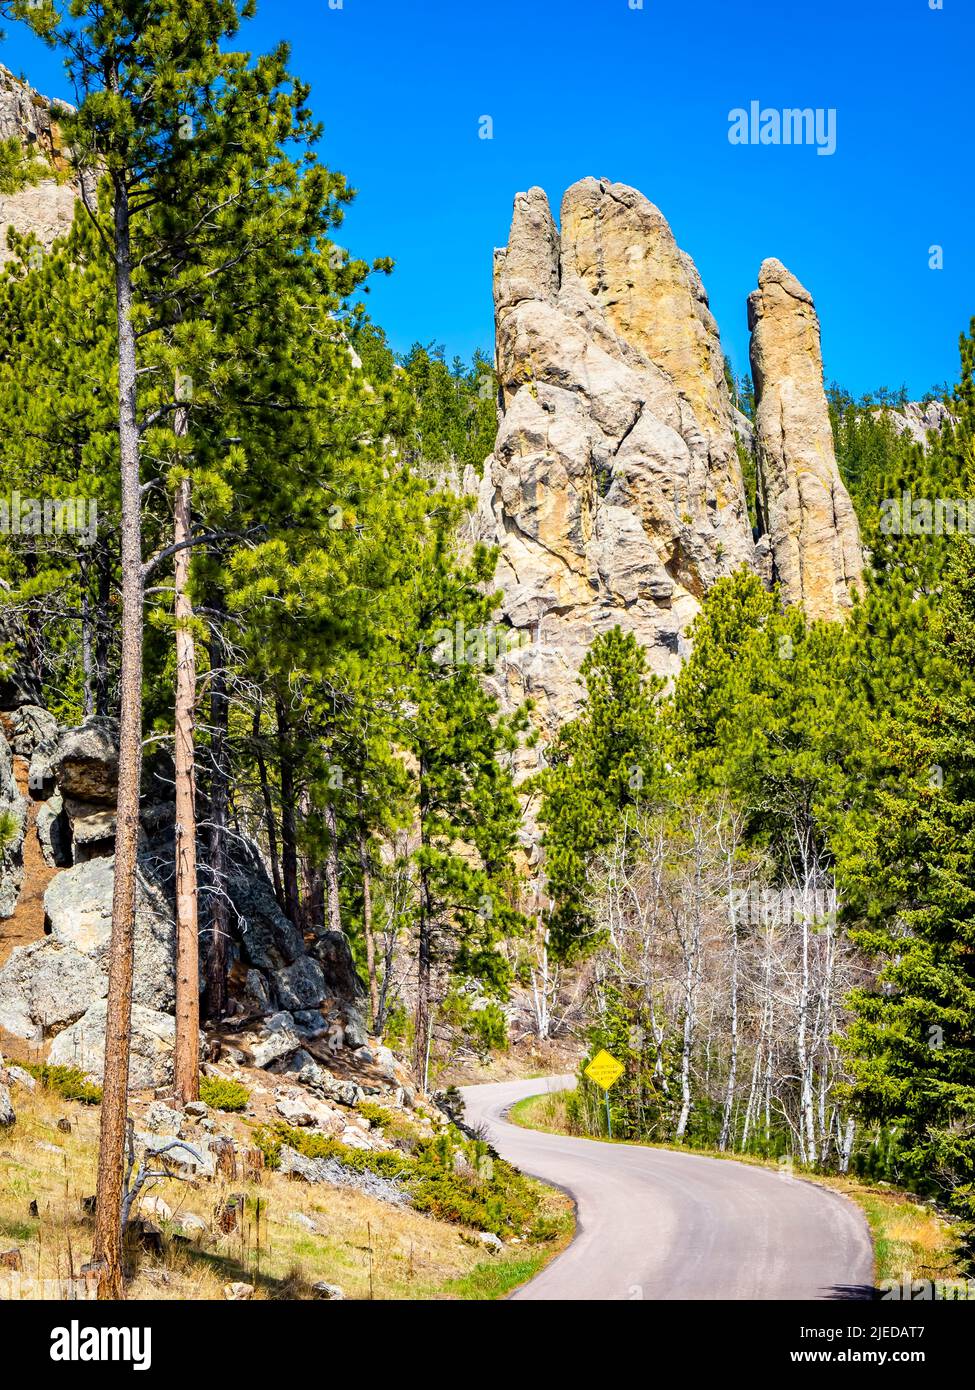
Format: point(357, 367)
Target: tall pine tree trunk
point(187, 1057)
point(216, 954)
point(111, 1153)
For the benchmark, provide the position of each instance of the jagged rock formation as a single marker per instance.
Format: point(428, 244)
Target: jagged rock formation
point(817, 557)
point(285, 994)
point(919, 420)
point(45, 208)
point(615, 490)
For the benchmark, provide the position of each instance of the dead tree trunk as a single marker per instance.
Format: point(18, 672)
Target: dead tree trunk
point(332, 869)
point(216, 954)
point(366, 871)
point(186, 1063)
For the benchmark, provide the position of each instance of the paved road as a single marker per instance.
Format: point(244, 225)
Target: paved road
point(656, 1224)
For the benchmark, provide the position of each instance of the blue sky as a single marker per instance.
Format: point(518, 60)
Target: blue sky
point(642, 96)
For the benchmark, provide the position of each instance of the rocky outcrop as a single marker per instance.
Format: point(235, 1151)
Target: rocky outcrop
point(614, 491)
point(81, 762)
point(919, 420)
point(48, 985)
point(153, 1038)
point(806, 511)
point(46, 207)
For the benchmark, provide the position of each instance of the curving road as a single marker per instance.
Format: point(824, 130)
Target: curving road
point(657, 1224)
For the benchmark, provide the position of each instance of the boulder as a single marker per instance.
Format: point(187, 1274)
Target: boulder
point(54, 833)
point(160, 1117)
point(331, 1293)
point(295, 1110)
point(153, 1039)
point(31, 725)
point(13, 821)
point(238, 1292)
point(82, 763)
point(275, 1039)
point(46, 986)
point(300, 986)
point(334, 954)
point(156, 1209)
point(21, 1078)
point(91, 829)
point(78, 908)
point(303, 1112)
point(269, 941)
point(190, 1226)
point(7, 1113)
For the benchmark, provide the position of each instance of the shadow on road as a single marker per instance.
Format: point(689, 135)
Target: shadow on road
point(853, 1293)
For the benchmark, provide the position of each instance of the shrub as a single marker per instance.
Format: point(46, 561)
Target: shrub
point(222, 1094)
point(377, 1116)
point(449, 1177)
point(67, 1082)
point(9, 828)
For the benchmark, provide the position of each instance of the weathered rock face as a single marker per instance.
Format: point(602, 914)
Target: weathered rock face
point(815, 541)
point(82, 763)
point(919, 419)
point(150, 1057)
point(49, 984)
point(45, 208)
point(614, 491)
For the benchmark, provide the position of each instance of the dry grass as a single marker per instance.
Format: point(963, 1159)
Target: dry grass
point(909, 1236)
point(370, 1249)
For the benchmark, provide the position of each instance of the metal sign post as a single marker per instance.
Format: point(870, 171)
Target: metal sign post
point(604, 1070)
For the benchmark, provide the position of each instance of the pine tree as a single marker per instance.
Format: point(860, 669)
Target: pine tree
point(910, 883)
point(186, 139)
point(766, 711)
point(467, 810)
point(605, 764)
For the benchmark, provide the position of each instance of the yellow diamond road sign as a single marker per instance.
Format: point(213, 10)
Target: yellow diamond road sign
point(605, 1070)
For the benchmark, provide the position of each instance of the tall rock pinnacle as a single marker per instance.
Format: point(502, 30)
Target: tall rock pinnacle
point(804, 507)
point(614, 491)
